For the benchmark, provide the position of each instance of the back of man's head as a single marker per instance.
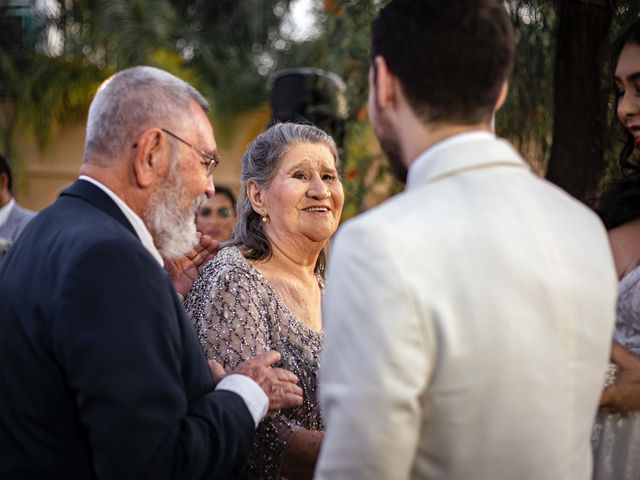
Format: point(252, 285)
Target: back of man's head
point(4, 169)
point(450, 56)
point(130, 102)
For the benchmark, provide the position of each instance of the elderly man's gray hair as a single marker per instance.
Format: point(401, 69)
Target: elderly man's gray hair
point(130, 102)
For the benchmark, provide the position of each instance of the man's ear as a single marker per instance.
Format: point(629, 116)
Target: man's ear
point(256, 196)
point(384, 82)
point(149, 157)
point(504, 90)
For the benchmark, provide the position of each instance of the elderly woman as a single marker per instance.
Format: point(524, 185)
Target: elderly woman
point(263, 289)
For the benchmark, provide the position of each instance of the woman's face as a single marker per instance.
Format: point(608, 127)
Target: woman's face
point(627, 78)
point(305, 199)
point(216, 217)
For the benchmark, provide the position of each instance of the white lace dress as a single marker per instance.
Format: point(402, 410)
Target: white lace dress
point(616, 437)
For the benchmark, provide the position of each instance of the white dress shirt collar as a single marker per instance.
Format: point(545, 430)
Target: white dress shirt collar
point(423, 160)
point(136, 222)
point(459, 152)
point(5, 211)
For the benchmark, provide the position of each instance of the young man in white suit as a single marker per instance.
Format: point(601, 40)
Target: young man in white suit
point(468, 319)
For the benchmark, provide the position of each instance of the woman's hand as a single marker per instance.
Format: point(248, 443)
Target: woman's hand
point(183, 271)
point(624, 394)
point(301, 454)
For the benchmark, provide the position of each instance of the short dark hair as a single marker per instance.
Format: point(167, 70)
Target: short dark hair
point(450, 56)
point(226, 191)
point(4, 168)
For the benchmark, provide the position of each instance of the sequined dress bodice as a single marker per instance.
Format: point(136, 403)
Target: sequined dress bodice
point(237, 315)
point(616, 437)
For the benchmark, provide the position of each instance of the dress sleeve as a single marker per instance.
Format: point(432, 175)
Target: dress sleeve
point(233, 315)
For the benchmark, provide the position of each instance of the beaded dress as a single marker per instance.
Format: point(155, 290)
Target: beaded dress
point(237, 315)
point(616, 437)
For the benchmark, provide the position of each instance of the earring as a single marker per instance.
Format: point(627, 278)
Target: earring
point(265, 218)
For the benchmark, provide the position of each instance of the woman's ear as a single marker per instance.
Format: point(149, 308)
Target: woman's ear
point(255, 194)
point(149, 158)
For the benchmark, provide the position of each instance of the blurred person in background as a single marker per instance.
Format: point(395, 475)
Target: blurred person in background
point(263, 291)
point(216, 215)
point(13, 217)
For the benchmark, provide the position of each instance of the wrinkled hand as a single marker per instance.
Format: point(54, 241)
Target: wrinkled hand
point(279, 384)
point(624, 394)
point(183, 271)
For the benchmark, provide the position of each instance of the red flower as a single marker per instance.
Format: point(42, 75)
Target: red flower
point(332, 7)
point(362, 113)
point(351, 174)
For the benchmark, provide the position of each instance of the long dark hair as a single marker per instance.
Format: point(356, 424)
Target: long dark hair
point(620, 202)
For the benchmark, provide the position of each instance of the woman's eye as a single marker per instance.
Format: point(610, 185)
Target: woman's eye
point(328, 177)
point(299, 175)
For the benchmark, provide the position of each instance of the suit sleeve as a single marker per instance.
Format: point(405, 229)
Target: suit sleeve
point(376, 362)
point(143, 390)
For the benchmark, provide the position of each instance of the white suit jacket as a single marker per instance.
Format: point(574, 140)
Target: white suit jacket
point(468, 324)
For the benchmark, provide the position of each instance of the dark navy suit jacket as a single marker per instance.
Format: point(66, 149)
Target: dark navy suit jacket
point(101, 373)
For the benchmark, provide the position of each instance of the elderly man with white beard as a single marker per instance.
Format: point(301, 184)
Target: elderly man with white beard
point(100, 370)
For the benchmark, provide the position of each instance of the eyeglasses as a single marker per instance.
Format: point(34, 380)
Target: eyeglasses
point(210, 161)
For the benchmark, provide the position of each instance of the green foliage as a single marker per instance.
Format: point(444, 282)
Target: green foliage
point(232, 45)
point(343, 48)
point(228, 49)
point(526, 119)
point(221, 47)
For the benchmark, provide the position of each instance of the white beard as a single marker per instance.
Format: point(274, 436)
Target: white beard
point(173, 230)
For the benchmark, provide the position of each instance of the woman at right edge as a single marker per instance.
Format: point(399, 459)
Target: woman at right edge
point(616, 434)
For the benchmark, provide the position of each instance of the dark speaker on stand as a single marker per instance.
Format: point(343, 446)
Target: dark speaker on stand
point(310, 95)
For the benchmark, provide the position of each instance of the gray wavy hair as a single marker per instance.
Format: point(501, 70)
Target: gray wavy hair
point(260, 163)
point(131, 101)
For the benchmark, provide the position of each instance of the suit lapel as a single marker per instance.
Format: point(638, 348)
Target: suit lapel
point(96, 197)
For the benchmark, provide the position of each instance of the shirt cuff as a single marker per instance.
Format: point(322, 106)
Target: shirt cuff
point(254, 397)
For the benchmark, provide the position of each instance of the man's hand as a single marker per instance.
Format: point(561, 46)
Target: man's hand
point(624, 394)
point(183, 271)
point(280, 385)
